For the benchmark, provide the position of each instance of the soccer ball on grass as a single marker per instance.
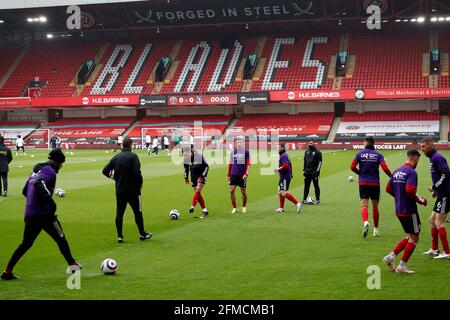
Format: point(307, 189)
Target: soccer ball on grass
point(109, 266)
point(60, 192)
point(174, 214)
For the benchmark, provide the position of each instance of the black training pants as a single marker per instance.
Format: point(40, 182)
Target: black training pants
point(135, 203)
point(4, 181)
point(315, 181)
point(33, 226)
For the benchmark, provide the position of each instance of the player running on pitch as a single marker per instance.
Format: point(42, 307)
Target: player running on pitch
point(369, 161)
point(20, 145)
point(440, 175)
point(196, 165)
point(148, 141)
point(238, 172)
point(403, 187)
point(285, 173)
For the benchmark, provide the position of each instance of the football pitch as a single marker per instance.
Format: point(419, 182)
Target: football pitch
point(318, 254)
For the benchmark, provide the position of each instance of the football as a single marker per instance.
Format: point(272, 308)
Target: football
point(109, 266)
point(310, 200)
point(350, 179)
point(60, 192)
point(174, 214)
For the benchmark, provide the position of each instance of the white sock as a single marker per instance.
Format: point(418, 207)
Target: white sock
point(402, 264)
point(375, 229)
point(366, 223)
point(392, 255)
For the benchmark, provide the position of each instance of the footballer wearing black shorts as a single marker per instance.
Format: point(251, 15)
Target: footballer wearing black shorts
point(238, 172)
point(196, 165)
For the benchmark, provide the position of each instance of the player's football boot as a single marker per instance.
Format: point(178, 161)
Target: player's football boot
point(75, 267)
point(5, 193)
point(279, 210)
point(234, 210)
point(432, 252)
point(376, 234)
point(244, 209)
point(145, 236)
point(390, 262)
point(403, 269)
point(191, 209)
point(8, 276)
point(443, 255)
point(204, 213)
point(299, 207)
point(120, 240)
point(365, 230)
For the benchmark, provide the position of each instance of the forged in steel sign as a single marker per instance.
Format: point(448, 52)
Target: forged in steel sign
point(233, 11)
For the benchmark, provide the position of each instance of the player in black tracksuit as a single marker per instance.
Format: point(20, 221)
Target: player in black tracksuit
point(312, 164)
point(196, 165)
point(125, 169)
point(5, 160)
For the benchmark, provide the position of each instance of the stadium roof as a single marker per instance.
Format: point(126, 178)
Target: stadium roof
point(22, 4)
point(170, 14)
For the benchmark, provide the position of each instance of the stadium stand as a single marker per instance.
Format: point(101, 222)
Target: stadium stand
point(158, 126)
point(382, 61)
point(10, 130)
point(444, 45)
point(56, 64)
point(388, 126)
point(89, 131)
point(295, 71)
point(6, 59)
point(290, 127)
point(138, 61)
point(216, 56)
point(389, 116)
point(291, 62)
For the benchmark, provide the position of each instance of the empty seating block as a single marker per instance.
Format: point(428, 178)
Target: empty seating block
point(289, 127)
point(389, 116)
point(89, 130)
point(158, 126)
point(386, 60)
point(56, 63)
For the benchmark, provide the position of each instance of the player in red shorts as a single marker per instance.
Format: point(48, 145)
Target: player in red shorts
point(196, 165)
point(440, 176)
point(285, 172)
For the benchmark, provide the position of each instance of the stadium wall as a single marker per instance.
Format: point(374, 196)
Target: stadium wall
point(392, 105)
point(217, 110)
point(99, 113)
point(290, 108)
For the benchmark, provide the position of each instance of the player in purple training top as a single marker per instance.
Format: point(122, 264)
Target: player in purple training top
point(403, 187)
point(440, 176)
point(238, 172)
point(369, 161)
point(285, 172)
point(40, 213)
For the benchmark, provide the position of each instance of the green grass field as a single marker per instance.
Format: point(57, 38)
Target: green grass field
point(257, 255)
